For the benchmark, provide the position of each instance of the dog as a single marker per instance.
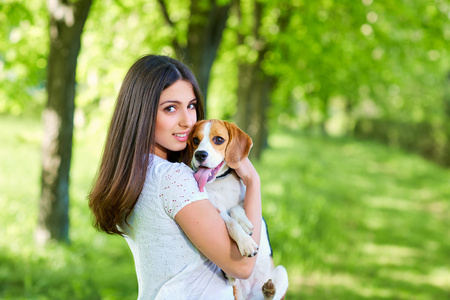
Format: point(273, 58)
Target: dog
point(215, 148)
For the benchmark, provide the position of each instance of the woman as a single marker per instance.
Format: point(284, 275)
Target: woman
point(179, 241)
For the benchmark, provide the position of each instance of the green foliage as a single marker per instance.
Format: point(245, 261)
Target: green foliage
point(390, 56)
point(393, 54)
point(116, 34)
point(348, 219)
point(23, 54)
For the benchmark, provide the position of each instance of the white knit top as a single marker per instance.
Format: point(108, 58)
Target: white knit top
point(168, 266)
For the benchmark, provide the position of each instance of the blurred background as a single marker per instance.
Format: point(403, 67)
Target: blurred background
point(347, 102)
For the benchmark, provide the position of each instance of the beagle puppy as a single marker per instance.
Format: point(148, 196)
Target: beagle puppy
point(215, 148)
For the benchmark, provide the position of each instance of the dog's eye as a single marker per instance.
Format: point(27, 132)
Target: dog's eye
point(218, 140)
point(196, 141)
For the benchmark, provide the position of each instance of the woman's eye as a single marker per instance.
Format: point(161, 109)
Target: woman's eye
point(170, 109)
point(218, 140)
point(196, 141)
point(192, 106)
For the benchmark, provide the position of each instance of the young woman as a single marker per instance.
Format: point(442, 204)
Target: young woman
point(179, 241)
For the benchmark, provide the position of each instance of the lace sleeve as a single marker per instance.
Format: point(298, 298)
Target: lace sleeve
point(178, 188)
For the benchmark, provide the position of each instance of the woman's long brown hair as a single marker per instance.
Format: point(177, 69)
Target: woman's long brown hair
point(131, 137)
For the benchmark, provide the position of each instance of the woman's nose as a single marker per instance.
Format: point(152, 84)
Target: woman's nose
point(188, 118)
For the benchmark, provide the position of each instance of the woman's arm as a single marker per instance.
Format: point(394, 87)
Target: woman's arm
point(206, 229)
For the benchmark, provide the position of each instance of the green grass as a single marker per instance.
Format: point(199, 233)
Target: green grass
point(357, 220)
point(348, 219)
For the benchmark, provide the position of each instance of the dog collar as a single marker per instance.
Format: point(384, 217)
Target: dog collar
point(224, 174)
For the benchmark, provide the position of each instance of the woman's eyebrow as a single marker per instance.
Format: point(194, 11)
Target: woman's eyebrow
point(175, 102)
point(169, 101)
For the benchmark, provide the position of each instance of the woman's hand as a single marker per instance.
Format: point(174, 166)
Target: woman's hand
point(248, 173)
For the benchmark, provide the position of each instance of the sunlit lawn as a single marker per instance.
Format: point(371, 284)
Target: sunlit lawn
point(348, 219)
point(356, 220)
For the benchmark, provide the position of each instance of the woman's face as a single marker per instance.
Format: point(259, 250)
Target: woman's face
point(175, 117)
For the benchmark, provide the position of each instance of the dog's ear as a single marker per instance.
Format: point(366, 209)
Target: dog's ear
point(238, 146)
point(186, 156)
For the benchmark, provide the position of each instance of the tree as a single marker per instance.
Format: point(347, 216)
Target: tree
point(255, 87)
point(207, 23)
point(255, 81)
point(67, 20)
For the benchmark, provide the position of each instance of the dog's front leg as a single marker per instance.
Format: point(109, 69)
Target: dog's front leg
point(247, 246)
point(238, 213)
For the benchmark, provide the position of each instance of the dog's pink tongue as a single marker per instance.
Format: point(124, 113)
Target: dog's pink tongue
point(202, 177)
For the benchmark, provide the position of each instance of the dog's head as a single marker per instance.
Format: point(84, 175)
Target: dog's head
point(215, 145)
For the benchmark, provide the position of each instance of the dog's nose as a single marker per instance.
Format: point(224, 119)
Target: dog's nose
point(200, 156)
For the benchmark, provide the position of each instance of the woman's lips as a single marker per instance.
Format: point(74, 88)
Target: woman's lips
point(182, 137)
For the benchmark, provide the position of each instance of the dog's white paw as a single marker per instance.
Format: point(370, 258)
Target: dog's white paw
point(248, 247)
point(246, 225)
point(238, 214)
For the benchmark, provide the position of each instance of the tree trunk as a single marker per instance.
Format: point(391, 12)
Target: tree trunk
point(207, 23)
point(254, 91)
point(66, 25)
point(204, 37)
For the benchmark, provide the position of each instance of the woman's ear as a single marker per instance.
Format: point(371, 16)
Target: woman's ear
point(238, 146)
